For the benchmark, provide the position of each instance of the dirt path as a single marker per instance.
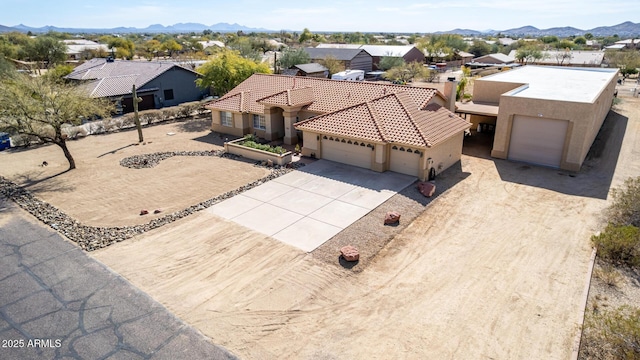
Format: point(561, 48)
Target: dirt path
point(493, 269)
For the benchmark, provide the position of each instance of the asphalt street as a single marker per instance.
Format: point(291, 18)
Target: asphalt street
point(56, 302)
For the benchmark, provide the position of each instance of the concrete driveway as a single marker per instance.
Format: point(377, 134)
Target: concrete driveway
point(309, 206)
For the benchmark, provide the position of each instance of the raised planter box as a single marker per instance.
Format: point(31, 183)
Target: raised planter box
point(232, 147)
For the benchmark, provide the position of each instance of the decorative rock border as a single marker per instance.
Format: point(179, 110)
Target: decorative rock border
point(91, 238)
point(153, 159)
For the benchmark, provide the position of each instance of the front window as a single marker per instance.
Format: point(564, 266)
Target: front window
point(259, 122)
point(226, 119)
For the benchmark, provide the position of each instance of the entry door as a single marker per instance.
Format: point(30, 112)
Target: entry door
point(537, 140)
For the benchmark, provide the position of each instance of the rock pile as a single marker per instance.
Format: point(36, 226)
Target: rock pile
point(426, 188)
point(91, 238)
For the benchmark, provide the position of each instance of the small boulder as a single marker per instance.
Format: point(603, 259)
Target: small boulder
point(144, 212)
point(269, 163)
point(426, 188)
point(350, 253)
point(157, 211)
point(392, 217)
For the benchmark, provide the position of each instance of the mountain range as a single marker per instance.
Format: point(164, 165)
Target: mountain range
point(156, 28)
point(624, 30)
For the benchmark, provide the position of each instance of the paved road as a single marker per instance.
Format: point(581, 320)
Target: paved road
point(56, 302)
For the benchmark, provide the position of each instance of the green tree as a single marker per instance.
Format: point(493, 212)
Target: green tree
point(580, 40)
point(588, 36)
point(47, 51)
point(38, 107)
point(479, 48)
point(305, 36)
point(407, 72)
point(151, 49)
point(628, 61)
point(124, 48)
point(389, 62)
point(334, 65)
point(171, 47)
point(227, 70)
point(527, 54)
point(291, 57)
point(59, 72)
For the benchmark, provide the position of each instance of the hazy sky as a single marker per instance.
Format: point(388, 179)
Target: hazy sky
point(326, 15)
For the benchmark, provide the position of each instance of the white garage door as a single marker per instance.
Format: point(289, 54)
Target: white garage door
point(404, 161)
point(347, 152)
point(537, 140)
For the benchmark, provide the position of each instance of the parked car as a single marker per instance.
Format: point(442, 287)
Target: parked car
point(5, 141)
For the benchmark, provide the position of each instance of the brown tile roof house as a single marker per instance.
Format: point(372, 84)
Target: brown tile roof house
point(372, 125)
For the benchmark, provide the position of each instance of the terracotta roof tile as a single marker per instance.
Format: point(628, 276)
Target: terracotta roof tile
point(328, 95)
point(393, 118)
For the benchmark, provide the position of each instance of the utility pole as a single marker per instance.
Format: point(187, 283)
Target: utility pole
point(136, 100)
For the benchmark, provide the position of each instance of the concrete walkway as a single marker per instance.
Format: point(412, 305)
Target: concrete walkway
point(309, 206)
point(56, 302)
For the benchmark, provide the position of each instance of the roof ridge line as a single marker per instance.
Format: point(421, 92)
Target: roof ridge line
point(413, 121)
point(376, 121)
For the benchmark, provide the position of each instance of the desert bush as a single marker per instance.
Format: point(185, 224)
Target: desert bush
point(250, 141)
point(187, 109)
point(608, 275)
point(613, 334)
point(150, 116)
point(619, 245)
point(95, 127)
point(625, 209)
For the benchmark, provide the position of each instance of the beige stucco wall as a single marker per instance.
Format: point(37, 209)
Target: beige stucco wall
point(486, 91)
point(238, 128)
point(443, 155)
point(310, 142)
point(583, 126)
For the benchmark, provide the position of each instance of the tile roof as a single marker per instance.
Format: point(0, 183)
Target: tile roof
point(392, 118)
point(328, 95)
point(118, 77)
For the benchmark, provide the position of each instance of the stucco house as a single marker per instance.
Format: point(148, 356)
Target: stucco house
point(159, 84)
point(311, 70)
point(543, 115)
point(376, 126)
point(408, 53)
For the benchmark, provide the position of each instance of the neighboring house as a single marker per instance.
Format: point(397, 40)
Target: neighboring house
point(633, 44)
point(311, 70)
point(580, 58)
point(495, 59)
point(408, 52)
point(543, 115)
point(371, 125)
point(83, 49)
point(354, 59)
point(159, 84)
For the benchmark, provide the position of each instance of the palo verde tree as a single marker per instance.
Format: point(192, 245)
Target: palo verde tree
point(226, 70)
point(291, 57)
point(41, 108)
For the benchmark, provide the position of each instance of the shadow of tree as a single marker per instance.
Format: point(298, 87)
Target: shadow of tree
point(33, 181)
point(195, 125)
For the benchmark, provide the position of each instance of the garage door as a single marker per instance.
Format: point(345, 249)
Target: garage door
point(347, 152)
point(537, 140)
point(404, 161)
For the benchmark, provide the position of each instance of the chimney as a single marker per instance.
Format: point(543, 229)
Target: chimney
point(450, 88)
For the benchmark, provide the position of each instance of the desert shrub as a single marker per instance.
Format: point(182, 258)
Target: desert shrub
point(187, 109)
point(625, 209)
point(250, 141)
point(96, 127)
point(127, 120)
point(150, 116)
point(169, 113)
point(613, 334)
point(71, 131)
point(619, 245)
point(608, 274)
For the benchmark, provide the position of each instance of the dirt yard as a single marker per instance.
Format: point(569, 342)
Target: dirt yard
point(495, 268)
point(101, 192)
